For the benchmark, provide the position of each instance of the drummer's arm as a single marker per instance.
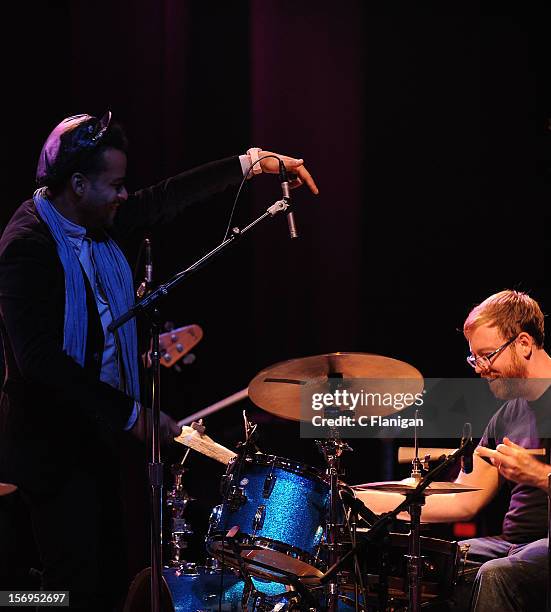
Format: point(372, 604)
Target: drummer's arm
point(448, 507)
point(464, 506)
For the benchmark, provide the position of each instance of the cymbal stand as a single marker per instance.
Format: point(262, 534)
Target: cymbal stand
point(351, 522)
point(332, 450)
point(177, 500)
point(358, 509)
point(234, 496)
point(414, 557)
point(232, 492)
point(357, 573)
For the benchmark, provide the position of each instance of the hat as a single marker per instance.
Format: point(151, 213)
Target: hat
point(66, 143)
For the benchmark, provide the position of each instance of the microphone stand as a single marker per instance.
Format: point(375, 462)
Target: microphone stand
point(165, 288)
point(414, 500)
point(153, 449)
point(148, 306)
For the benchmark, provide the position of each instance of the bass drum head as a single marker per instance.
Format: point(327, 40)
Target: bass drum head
point(210, 591)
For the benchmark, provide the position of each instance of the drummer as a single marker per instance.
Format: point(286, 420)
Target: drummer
point(505, 334)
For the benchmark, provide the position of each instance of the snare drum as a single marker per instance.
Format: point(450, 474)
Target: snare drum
point(440, 567)
point(280, 508)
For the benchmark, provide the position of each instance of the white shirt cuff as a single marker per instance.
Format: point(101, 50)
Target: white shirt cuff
point(245, 163)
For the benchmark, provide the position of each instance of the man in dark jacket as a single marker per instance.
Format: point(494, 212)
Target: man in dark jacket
point(71, 387)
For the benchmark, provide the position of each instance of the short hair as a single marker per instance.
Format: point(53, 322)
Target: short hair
point(91, 162)
point(512, 312)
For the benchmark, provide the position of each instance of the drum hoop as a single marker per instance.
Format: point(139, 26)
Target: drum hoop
point(270, 545)
point(428, 543)
point(288, 465)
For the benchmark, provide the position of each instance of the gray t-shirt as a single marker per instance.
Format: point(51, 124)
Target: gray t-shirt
point(529, 425)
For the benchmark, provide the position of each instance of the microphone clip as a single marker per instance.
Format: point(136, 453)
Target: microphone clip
point(277, 207)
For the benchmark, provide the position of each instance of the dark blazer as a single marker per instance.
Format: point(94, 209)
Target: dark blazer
point(53, 411)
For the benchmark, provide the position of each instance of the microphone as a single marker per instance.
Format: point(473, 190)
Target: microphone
point(142, 290)
point(287, 197)
point(148, 262)
point(467, 458)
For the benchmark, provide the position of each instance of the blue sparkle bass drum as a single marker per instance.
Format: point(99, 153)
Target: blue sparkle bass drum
point(206, 590)
point(275, 510)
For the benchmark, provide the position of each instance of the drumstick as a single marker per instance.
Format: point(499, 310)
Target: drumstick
point(406, 454)
point(227, 401)
point(204, 445)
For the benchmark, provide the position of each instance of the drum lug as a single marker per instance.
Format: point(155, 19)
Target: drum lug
point(236, 498)
point(258, 521)
point(214, 518)
point(212, 565)
point(269, 485)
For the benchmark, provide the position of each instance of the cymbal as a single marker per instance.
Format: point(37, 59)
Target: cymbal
point(278, 388)
point(6, 488)
point(408, 484)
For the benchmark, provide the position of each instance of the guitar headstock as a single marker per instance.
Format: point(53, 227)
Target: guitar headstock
point(178, 342)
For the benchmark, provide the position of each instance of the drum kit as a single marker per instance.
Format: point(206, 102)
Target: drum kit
point(288, 536)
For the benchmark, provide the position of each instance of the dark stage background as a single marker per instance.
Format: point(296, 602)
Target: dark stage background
point(424, 128)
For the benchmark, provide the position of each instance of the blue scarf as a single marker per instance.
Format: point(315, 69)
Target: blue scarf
point(116, 279)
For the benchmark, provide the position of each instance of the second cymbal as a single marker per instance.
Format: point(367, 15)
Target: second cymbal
point(408, 484)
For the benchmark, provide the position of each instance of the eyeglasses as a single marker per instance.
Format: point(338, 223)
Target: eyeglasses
point(485, 361)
